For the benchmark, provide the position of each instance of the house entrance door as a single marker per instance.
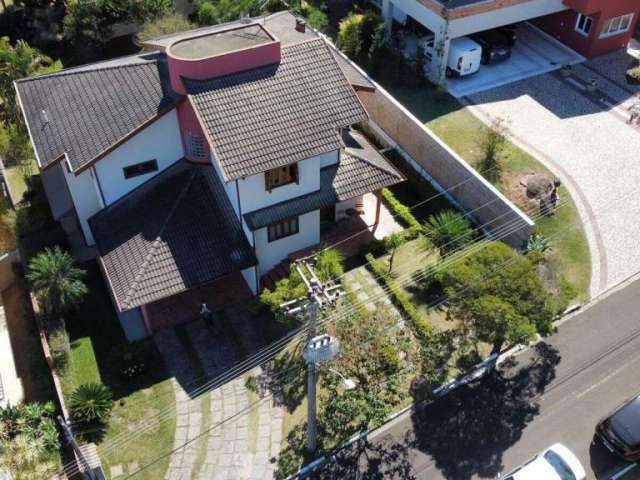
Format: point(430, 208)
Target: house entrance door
point(328, 214)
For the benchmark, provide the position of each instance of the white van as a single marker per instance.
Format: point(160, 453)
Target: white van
point(464, 55)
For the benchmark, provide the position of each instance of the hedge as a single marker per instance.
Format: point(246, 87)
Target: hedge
point(401, 298)
point(401, 210)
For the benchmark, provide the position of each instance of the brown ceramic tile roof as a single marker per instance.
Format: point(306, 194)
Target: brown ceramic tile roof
point(277, 114)
point(175, 232)
point(88, 109)
point(355, 175)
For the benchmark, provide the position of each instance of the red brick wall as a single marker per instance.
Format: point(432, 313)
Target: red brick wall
point(562, 26)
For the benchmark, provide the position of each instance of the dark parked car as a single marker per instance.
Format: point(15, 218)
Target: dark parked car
point(495, 47)
point(620, 431)
point(508, 33)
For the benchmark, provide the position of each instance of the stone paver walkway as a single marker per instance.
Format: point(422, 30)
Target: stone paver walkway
point(368, 290)
point(233, 443)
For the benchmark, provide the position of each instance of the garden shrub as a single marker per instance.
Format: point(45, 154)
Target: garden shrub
point(449, 231)
point(91, 402)
point(400, 210)
point(492, 144)
point(633, 74)
point(60, 348)
point(421, 327)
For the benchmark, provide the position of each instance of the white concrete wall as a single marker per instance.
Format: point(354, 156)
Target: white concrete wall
point(249, 275)
point(419, 12)
point(271, 253)
point(159, 141)
point(504, 16)
point(253, 194)
point(330, 158)
point(85, 198)
point(55, 187)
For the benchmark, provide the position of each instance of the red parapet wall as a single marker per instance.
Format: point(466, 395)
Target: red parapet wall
point(219, 64)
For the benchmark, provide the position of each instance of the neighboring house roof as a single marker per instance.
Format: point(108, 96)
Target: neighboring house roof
point(361, 170)
point(175, 232)
point(84, 111)
point(278, 114)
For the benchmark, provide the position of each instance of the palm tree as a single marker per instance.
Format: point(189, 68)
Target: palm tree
point(57, 282)
point(91, 402)
point(448, 231)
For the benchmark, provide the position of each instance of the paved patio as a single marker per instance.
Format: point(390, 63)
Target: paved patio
point(584, 139)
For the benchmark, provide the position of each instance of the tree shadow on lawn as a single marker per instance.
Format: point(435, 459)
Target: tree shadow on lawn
point(467, 431)
point(96, 319)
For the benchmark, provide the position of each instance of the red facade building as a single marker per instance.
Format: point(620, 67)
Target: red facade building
point(593, 27)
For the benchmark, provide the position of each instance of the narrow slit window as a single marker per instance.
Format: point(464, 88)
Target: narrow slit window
point(141, 168)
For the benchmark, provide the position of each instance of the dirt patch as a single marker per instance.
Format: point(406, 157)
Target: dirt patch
point(514, 189)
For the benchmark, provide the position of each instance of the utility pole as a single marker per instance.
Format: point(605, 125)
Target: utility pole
point(85, 466)
point(319, 347)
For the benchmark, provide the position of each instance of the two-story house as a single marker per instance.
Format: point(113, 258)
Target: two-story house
point(591, 27)
point(200, 166)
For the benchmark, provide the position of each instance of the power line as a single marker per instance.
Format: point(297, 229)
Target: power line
point(491, 273)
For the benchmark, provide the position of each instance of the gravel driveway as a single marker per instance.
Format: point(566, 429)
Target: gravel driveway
point(589, 146)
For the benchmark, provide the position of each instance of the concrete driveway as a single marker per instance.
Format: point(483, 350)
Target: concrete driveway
point(585, 140)
point(535, 53)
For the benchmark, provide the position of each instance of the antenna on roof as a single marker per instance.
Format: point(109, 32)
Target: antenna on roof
point(45, 117)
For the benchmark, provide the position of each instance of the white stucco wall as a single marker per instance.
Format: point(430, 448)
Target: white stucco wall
point(85, 198)
point(254, 196)
point(249, 275)
point(330, 158)
point(419, 12)
point(271, 253)
point(159, 141)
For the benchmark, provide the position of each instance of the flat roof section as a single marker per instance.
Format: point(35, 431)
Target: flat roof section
point(218, 43)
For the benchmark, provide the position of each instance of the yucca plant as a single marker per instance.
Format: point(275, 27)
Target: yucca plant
point(56, 280)
point(538, 244)
point(448, 231)
point(91, 402)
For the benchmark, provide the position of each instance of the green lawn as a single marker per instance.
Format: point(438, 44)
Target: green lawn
point(463, 132)
point(97, 349)
point(16, 183)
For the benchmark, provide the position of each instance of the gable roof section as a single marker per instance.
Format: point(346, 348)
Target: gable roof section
point(91, 108)
point(355, 175)
point(175, 232)
point(278, 114)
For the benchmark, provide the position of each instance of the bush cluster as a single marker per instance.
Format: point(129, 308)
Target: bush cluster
point(398, 209)
point(421, 327)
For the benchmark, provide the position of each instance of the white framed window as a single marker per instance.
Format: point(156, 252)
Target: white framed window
point(195, 145)
point(584, 23)
point(617, 25)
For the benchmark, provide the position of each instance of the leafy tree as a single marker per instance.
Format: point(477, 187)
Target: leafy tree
point(15, 147)
point(19, 61)
point(91, 402)
point(498, 296)
point(150, 10)
point(211, 12)
point(492, 144)
point(449, 231)
point(56, 280)
point(316, 18)
point(165, 25)
point(392, 243)
point(349, 34)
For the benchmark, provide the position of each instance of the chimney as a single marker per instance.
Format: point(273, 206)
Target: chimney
point(301, 25)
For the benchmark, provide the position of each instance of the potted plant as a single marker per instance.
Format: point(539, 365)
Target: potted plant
point(633, 74)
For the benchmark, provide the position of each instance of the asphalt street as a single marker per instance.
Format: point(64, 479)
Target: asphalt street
point(553, 392)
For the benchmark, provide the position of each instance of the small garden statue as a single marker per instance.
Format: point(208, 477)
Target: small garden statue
point(206, 314)
point(543, 189)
